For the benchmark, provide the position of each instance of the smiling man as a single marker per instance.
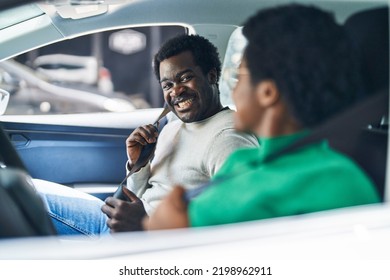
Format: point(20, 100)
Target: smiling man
point(189, 150)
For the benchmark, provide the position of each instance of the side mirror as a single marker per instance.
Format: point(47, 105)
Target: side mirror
point(4, 98)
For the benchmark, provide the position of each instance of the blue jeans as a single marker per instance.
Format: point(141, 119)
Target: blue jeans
point(72, 211)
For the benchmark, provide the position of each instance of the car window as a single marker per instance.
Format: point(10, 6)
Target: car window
point(110, 71)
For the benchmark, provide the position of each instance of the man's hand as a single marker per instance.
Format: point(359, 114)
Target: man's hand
point(140, 137)
point(123, 215)
point(171, 212)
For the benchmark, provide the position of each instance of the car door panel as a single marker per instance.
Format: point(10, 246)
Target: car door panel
point(85, 151)
point(70, 155)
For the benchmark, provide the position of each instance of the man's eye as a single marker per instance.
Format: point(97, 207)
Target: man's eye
point(166, 86)
point(186, 78)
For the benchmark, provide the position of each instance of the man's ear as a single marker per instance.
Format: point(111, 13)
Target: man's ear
point(267, 93)
point(212, 76)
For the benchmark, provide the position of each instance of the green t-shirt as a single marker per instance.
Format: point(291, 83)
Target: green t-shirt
point(310, 179)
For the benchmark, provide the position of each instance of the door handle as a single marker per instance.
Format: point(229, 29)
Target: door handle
point(19, 140)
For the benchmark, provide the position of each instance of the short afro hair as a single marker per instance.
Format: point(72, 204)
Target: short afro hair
point(309, 57)
point(204, 52)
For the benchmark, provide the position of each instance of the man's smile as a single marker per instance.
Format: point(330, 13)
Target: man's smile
point(183, 103)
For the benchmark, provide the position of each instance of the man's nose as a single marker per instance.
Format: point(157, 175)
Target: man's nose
point(176, 90)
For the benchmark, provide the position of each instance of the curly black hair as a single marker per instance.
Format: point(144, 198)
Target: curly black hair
point(204, 52)
point(309, 57)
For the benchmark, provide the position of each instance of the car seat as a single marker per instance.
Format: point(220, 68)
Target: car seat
point(22, 212)
point(369, 30)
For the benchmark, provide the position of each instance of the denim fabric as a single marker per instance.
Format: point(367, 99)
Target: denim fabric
point(73, 212)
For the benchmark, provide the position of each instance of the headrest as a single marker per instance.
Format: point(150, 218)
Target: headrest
point(369, 30)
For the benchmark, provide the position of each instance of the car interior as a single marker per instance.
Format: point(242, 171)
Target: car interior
point(360, 132)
